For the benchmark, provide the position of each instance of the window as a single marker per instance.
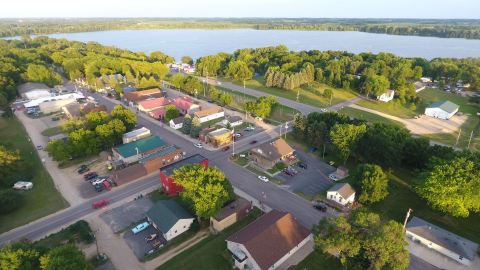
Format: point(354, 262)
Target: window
point(175, 231)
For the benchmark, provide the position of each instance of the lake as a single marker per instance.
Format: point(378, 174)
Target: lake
point(198, 42)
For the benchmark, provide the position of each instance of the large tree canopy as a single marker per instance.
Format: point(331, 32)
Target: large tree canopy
point(373, 183)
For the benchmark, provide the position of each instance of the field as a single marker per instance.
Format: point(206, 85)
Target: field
point(211, 252)
point(369, 117)
point(318, 260)
point(43, 199)
point(393, 107)
point(311, 95)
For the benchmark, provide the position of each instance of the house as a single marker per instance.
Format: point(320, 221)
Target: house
point(209, 114)
point(442, 241)
point(425, 80)
point(185, 105)
point(162, 158)
point(202, 135)
point(270, 153)
point(233, 121)
point(72, 110)
point(157, 113)
point(219, 137)
point(92, 107)
point(132, 98)
point(386, 97)
point(230, 214)
point(168, 183)
point(268, 242)
point(149, 105)
point(136, 134)
point(341, 193)
point(169, 218)
point(443, 110)
point(176, 123)
point(133, 151)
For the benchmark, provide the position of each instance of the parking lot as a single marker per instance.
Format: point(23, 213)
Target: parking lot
point(310, 181)
point(127, 214)
point(139, 244)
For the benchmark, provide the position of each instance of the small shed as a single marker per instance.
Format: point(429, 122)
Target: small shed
point(230, 214)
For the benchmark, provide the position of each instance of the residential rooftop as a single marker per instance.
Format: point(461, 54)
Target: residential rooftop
point(344, 189)
point(166, 213)
point(195, 159)
point(143, 145)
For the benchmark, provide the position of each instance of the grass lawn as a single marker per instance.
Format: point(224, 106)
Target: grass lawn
point(369, 117)
point(318, 260)
point(52, 131)
point(311, 95)
point(43, 199)
point(393, 107)
point(210, 253)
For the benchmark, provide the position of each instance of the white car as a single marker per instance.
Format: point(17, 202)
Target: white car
point(98, 181)
point(22, 185)
point(323, 110)
point(333, 177)
point(237, 135)
point(198, 145)
point(263, 178)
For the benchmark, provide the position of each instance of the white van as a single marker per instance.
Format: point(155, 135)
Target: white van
point(21, 185)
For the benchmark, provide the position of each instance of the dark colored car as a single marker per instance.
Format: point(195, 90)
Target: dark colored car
point(253, 142)
point(99, 187)
point(226, 148)
point(320, 207)
point(288, 172)
point(83, 169)
point(302, 165)
point(90, 176)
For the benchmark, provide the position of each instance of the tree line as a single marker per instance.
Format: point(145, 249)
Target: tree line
point(468, 29)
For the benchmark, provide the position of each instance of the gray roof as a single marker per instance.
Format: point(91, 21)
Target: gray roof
point(166, 213)
point(443, 238)
point(234, 118)
point(447, 106)
point(195, 159)
point(344, 189)
point(178, 120)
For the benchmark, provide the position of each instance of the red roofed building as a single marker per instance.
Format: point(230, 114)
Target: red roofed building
point(168, 183)
point(269, 242)
point(149, 105)
point(185, 105)
point(157, 114)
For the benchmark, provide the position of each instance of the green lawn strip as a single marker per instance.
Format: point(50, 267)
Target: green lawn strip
point(308, 94)
point(43, 199)
point(242, 161)
point(257, 172)
point(79, 232)
point(318, 260)
point(211, 252)
point(369, 117)
point(393, 107)
point(52, 131)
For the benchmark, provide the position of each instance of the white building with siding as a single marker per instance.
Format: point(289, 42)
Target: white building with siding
point(442, 110)
point(341, 193)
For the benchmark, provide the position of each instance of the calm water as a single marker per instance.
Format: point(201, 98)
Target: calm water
point(196, 43)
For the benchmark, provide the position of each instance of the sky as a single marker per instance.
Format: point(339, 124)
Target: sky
point(457, 9)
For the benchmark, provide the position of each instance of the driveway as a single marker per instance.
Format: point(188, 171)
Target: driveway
point(127, 214)
point(310, 181)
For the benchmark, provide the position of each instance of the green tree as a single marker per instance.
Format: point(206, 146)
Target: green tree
point(95, 119)
point(177, 80)
point(328, 93)
point(376, 85)
point(192, 85)
point(206, 189)
point(40, 73)
point(187, 124)
point(187, 60)
point(214, 93)
point(171, 112)
point(239, 71)
point(226, 99)
point(452, 186)
point(111, 133)
point(345, 138)
point(373, 183)
point(18, 258)
point(65, 257)
point(196, 128)
point(123, 114)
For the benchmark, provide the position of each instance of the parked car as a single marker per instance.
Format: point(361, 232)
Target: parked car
point(333, 177)
point(98, 181)
point(23, 185)
point(90, 176)
point(107, 185)
point(83, 169)
point(323, 110)
point(226, 148)
point(320, 207)
point(100, 204)
point(303, 165)
point(288, 172)
point(253, 142)
point(140, 227)
point(198, 145)
point(39, 147)
point(263, 178)
point(98, 187)
point(237, 135)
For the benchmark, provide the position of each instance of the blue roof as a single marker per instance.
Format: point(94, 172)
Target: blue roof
point(143, 145)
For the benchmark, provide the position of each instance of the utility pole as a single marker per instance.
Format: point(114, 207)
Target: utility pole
point(458, 137)
point(298, 94)
point(286, 129)
point(470, 140)
point(406, 217)
point(233, 144)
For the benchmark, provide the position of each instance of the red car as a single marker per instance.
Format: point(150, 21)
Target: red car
point(253, 142)
point(100, 204)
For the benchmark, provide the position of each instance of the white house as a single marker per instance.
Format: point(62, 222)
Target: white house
point(176, 123)
point(136, 134)
point(233, 121)
point(443, 110)
point(386, 97)
point(341, 193)
point(425, 80)
point(444, 242)
point(268, 242)
point(209, 114)
point(169, 218)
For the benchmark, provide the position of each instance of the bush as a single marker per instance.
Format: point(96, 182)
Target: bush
point(10, 200)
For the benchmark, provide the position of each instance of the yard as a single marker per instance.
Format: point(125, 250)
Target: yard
point(211, 252)
point(311, 95)
point(318, 260)
point(44, 198)
point(52, 131)
point(369, 117)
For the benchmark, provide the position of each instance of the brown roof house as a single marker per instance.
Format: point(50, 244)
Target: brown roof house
point(270, 153)
point(268, 242)
point(209, 114)
point(230, 214)
point(132, 98)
